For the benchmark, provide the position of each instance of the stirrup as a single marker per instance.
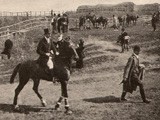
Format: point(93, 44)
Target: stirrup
point(123, 99)
point(54, 80)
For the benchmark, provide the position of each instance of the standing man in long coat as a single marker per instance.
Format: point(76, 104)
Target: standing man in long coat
point(133, 75)
point(123, 41)
point(7, 49)
point(80, 52)
point(154, 21)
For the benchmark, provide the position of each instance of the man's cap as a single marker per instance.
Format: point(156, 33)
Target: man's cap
point(122, 29)
point(136, 47)
point(81, 40)
point(46, 31)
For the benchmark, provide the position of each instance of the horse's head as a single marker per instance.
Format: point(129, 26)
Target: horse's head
point(68, 51)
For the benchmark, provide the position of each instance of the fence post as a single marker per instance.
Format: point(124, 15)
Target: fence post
point(31, 13)
point(35, 14)
point(76, 24)
point(27, 14)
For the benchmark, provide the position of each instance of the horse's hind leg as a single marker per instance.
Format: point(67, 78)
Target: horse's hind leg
point(65, 96)
point(35, 88)
point(58, 103)
point(18, 90)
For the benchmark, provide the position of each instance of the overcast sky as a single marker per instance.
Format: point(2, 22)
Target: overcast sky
point(58, 5)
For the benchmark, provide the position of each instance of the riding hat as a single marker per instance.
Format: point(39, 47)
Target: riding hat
point(46, 31)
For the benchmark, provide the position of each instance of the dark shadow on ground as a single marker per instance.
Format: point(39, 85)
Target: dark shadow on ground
point(98, 60)
point(74, 29)
point(154, 70)
point(112, 50)
point(110, 99)
point(25, 109)
point(107, 99)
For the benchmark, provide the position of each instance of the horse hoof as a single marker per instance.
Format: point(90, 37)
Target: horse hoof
point(16, 108)
point(44, 104)
point(68, 112)
point(57, 107)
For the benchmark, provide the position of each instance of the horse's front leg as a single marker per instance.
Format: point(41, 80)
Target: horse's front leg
point(35, 88)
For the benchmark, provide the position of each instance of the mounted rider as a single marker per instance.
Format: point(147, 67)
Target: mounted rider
point(47, 51)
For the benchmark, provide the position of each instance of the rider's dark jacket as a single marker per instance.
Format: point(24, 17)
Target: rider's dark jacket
point(43, 48)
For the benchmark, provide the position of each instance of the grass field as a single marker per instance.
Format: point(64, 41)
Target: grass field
point(94, 90)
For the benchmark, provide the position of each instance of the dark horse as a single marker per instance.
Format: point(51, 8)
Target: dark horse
point(102, 21)
point(99, 21)
point(131, 18)
point(31, 70)
point(134, 19)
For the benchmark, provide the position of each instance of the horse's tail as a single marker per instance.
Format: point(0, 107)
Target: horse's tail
point(15, 71)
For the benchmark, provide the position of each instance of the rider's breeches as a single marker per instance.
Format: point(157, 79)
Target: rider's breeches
point(50, 63)
point(45, 62)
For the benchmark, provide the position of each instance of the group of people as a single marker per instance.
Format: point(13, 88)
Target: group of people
point(133, 73)
point(48, 49)
point(59, 23)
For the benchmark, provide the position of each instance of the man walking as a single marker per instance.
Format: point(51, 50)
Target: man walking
point(133, 75)
point(154, 20)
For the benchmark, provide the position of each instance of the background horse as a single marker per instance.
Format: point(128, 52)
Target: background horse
point(102, 21)
point(97, 21)
point(31, 70)
point(131, 18)
point(134, 19)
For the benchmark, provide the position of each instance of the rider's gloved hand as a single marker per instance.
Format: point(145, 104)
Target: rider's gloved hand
point(48, 54)
point(57, 53)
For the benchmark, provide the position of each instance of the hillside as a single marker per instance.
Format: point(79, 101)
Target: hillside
point(124, 7)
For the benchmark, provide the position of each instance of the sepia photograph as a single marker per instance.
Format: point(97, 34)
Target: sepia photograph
point(79, 59)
